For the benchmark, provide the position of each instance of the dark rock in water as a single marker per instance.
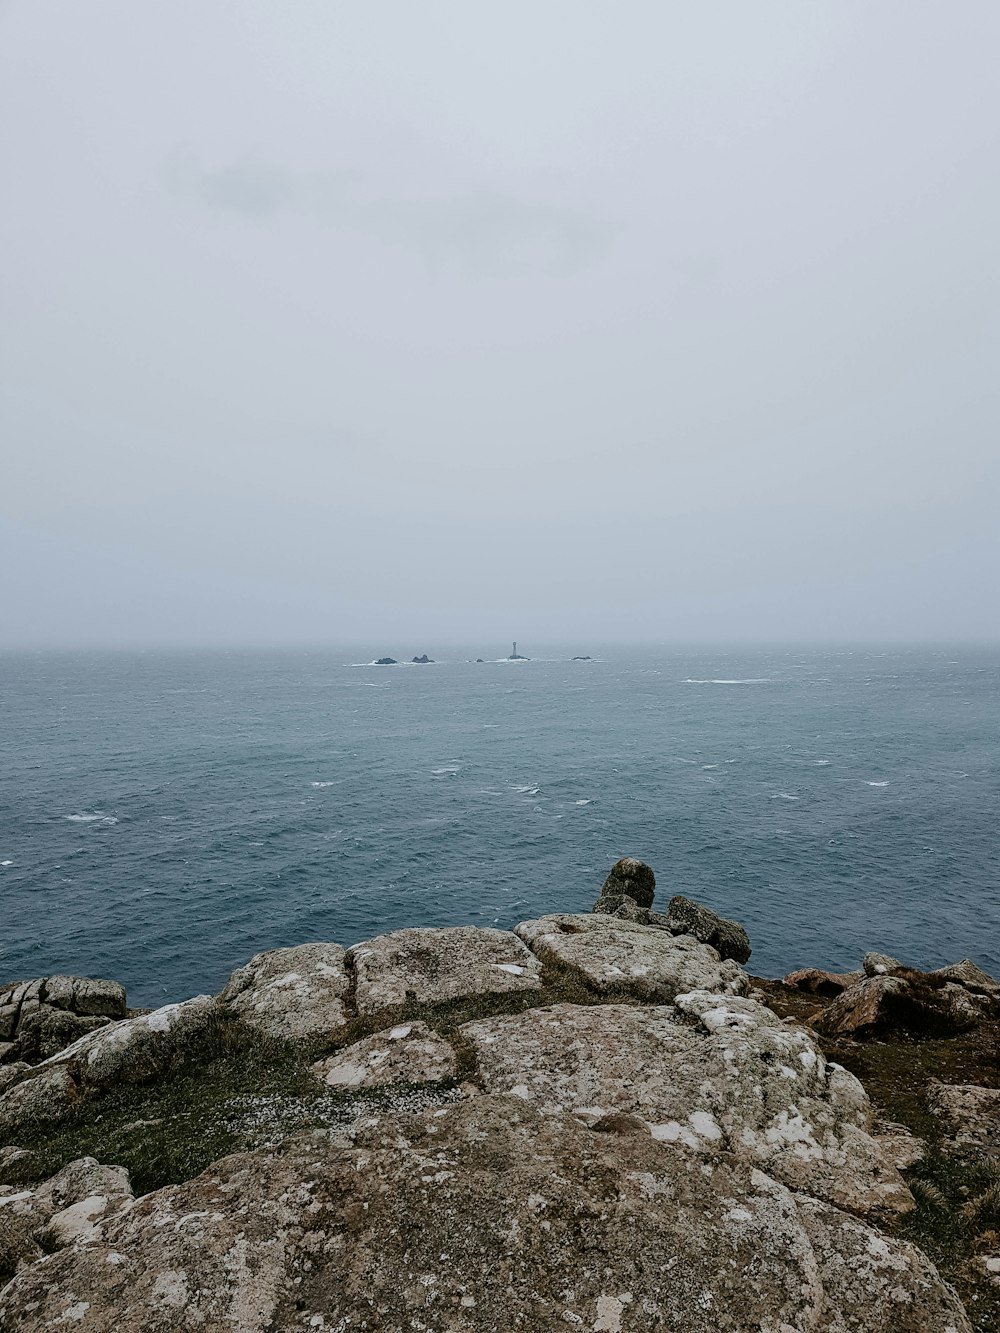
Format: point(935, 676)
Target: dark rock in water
point(423, 659)
point(479, 659)
point(386, 661)
point(814, 981)
point(685, 917)
point(632, 878)
point(588, 658)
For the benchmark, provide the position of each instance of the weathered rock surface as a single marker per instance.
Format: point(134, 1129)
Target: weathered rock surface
point(613, 956)
point(296, 993)
point(429, 966)
point(622, 906)
point(129, 1051)
point(891, 997)
point(407, 1053)
point(814, 981)
point(632, 878)
point(484, 1215)
point(713, 1075)
point(40, 1017)
point(968, 974)
point(969, 1115)
point(67, 1208)
point(878, 964)
point(42, 1099)
point(684, 917)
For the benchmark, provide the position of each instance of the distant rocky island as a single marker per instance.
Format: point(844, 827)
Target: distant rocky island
point(599, 1120)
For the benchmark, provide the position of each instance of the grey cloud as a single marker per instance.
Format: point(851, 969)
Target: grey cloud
point(481, 227)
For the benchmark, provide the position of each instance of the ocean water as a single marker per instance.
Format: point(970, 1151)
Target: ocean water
point(165, 816)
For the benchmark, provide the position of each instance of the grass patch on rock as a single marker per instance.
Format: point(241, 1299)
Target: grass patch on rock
point(236, 1089)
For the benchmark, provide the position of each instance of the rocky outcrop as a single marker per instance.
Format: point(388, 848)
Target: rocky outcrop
point(684, 917)
point(296, 994)
point(67, 1208)
point(482, 1215)
point(716, 1076)
point(407, 1053)
point(891, 997)
point(428, 966)
point(583, 1123)
point(131, 1051)
point(616, 957)
point(42, 1016)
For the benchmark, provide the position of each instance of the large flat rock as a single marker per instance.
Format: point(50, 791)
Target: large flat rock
point(430, 966)
point(482, 1216)
point(296, 994)
point(616, 957)
point(713, 1075)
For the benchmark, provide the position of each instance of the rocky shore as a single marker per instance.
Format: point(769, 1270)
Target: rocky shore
point(600, 1120)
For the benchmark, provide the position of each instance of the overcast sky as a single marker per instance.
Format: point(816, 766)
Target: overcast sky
point(394, 321)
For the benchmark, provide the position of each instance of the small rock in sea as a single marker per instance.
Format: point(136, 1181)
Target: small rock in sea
point(633, 878)
point(386, 661)
point(423, 659)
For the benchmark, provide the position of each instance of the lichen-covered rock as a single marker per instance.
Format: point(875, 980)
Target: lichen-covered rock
point(969, 1116)
point(968, 974)
point(44, 1030)
point(712, 1075)
point(93, 997)
point(40, 1017)
point(135, 1049)
point(44, 1098)
point(632, 878)
point(428, 966)
point(297, 993)
point(612, 956)
point(482, 1216)
point(622, 906)
point(406, 1053)
point(878, 964)
point(728, 938)
point(67, 1208)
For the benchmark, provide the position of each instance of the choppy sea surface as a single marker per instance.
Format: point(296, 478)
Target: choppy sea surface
point(165, 816)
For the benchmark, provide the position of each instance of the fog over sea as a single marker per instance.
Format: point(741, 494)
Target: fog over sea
point(165, 816)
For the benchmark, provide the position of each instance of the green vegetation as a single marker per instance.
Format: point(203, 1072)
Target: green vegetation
point(236, 1089)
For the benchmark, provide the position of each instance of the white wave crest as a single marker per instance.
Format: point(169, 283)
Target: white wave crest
point(783, 796)
point(582, 802)
point(448, 768)
point(92, 819)
point(323, 784)
point(749, 680)
point(876, 784)
point(528, 790)
point(6, 863)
